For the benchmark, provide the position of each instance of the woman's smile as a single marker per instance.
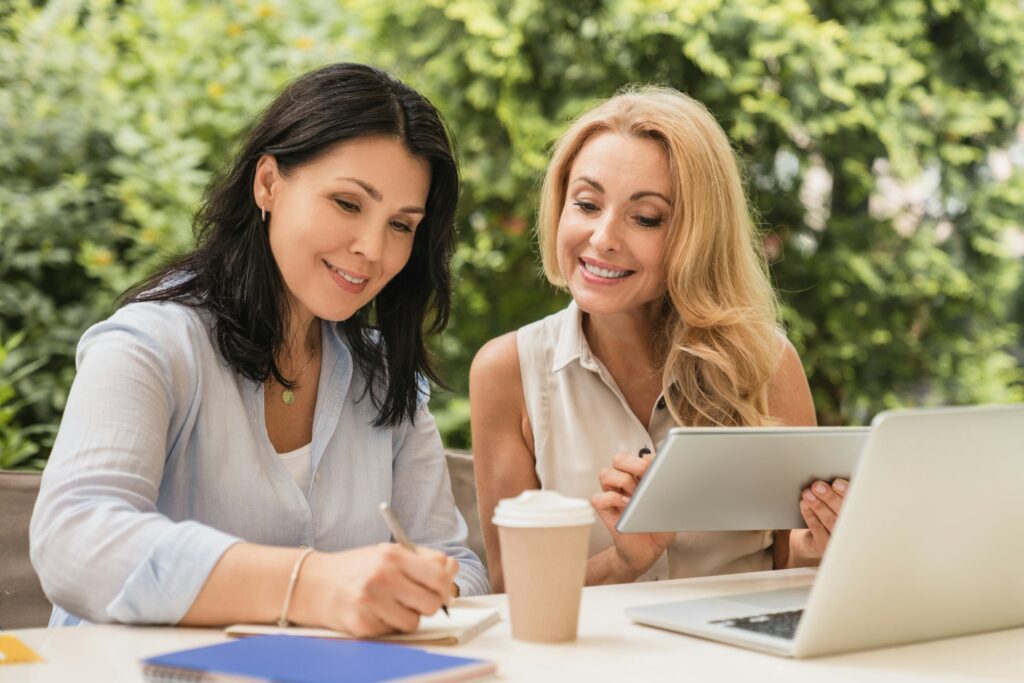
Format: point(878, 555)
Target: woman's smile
point(599, 272)
point(347, 279)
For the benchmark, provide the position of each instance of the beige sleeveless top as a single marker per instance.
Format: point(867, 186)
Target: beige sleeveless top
point(580, 419)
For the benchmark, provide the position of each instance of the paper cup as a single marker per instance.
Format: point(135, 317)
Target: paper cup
point(544, 538)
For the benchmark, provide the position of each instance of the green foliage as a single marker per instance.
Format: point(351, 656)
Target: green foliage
point(113, 115)
point(865, 129)
point(898, 277)
point(19, 446)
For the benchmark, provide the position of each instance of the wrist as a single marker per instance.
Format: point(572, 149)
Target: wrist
point(608, 566)
point(629, 570)
point(307, 602)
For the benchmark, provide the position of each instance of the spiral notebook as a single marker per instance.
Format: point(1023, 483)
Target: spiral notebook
point(437, 629)
point(288, 659)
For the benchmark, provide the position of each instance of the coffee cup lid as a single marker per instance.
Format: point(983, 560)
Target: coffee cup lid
point(543, 509)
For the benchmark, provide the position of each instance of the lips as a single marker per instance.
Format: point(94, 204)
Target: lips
point(347, 280)
point(349, 277)
point(604, 271)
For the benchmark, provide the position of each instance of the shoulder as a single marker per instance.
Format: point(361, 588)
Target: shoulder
point(170, 332)
point(158, 322)
point(497, 361)
point(789, 395)
point(788, 359)
point(545, 333)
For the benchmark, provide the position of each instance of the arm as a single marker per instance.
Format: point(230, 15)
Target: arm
point(422, 498)
point(789, 402)
point(101, 548)
point(502, 441)
point(104, 552)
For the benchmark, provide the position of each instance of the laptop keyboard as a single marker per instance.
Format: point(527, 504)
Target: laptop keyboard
point(778, 624)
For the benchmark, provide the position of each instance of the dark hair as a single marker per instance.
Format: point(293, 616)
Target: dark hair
point(232, 272)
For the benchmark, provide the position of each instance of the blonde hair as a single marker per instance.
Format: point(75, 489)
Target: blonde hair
point(720, 340)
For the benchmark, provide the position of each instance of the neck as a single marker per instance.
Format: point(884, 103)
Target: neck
point(625, 337)
point(302, 339)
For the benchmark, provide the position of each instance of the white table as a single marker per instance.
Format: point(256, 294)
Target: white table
point(609, 648)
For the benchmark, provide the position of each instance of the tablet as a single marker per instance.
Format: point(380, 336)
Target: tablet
point(738, 478)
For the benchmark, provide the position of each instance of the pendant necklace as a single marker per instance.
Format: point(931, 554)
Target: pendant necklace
point(288, 395)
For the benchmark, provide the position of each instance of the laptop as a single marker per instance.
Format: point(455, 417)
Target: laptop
point(928, 545)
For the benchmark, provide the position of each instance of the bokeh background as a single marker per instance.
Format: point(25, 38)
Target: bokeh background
point(882, 142)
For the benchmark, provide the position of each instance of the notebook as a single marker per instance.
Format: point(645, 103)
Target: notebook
point(438, 629)
point(286, 659)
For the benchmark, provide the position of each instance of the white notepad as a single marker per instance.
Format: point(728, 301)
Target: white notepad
point(439, 629)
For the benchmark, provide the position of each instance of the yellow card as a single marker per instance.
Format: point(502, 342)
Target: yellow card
point(13, 651)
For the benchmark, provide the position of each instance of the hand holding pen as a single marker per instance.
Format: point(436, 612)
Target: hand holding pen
point(398, 533)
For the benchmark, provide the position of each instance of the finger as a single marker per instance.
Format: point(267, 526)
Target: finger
point(823, 512)
point(366, 624)
point(609, 501)
point(389, 606)
point(446, 562)
point(840, 486)
point(443, 560)
point(416, 597)
point(609, 506)
point(431, 555)
point(616, 480)
point(422, 568)
point(818, 531)
point(827, 495)
point(631, 464)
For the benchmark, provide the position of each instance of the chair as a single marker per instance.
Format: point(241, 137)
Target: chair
point(22, 602)
point(460, 468)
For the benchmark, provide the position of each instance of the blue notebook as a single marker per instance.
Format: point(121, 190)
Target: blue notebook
point(292, 659)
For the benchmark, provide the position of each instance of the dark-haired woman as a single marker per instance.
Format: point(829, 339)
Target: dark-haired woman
point(234, 427)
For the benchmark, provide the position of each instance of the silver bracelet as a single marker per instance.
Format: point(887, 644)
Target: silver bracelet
point(283, 621)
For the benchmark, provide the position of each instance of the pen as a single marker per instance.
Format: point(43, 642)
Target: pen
point(398, 533)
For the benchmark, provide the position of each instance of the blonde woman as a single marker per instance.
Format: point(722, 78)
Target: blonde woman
point(673, 322)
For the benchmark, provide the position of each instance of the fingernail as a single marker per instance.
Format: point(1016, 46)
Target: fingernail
point(808, 496)
point(839, 485)
point(820, 488)
point(625, 499)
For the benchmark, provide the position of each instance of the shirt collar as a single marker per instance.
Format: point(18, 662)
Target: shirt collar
point(572, 343)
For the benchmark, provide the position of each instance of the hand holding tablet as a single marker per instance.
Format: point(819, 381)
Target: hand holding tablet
point(730, 479)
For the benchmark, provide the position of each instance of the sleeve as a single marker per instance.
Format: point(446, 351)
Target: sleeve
point(101, 548)
point(422, 498)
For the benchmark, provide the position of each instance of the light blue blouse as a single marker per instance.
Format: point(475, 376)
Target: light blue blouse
point(162, 462)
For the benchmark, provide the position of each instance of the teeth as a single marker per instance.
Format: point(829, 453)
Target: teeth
point(604, 272)
point(345, 276)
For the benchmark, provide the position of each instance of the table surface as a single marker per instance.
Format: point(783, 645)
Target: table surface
point(609, 647)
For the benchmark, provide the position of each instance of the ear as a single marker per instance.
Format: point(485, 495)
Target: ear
point(263, 184)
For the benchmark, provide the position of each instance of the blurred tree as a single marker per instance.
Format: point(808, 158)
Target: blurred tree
point(877, 139)
point(866, 129)
point(113, 115)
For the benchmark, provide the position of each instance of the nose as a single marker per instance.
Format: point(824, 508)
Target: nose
point(370, 242)
point(605, 235)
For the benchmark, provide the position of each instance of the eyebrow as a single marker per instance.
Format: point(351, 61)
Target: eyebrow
point(376, 195)
point(633, 197)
